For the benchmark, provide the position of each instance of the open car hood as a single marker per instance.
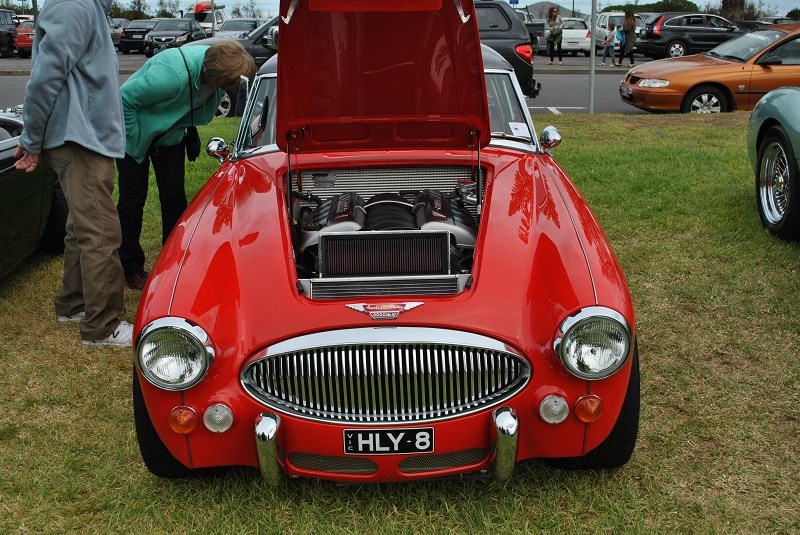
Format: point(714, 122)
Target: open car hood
point(380, 75)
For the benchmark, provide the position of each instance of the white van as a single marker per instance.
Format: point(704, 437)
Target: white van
point(616, 17)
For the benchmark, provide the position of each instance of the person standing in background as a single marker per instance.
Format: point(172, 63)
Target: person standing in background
point(628, 38)
point(173, 90)
point(72, 117)
point(608, 44)
point(556, 26)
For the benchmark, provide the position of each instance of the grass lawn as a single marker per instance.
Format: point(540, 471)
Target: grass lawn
point(716, 299)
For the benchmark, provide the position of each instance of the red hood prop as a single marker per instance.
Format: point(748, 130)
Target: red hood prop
point(380, 75)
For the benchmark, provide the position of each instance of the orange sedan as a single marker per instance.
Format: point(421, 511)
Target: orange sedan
point(732, 76)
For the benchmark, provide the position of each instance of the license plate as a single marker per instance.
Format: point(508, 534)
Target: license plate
point(136, 36)
point(388, 441)
point(625, 91)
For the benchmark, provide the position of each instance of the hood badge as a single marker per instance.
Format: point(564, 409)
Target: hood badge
point(383, 311)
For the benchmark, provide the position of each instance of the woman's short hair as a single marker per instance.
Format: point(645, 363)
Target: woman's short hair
point(225, 62)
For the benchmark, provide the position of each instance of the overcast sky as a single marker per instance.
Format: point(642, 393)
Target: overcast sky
point(780, 7)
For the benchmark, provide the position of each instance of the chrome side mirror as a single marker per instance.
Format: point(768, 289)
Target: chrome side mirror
point(550, 139)
point(218, 148)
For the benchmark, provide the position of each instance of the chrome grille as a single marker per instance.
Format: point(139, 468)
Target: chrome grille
point(386, 375)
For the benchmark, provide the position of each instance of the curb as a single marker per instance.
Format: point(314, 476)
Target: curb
point(28, 72)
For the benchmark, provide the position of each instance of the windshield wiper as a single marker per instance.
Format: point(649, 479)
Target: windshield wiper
point(503, 135)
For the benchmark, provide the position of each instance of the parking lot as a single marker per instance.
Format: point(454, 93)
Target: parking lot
point(565, 88)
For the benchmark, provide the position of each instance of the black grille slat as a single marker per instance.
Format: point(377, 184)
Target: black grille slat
point(384, 254)
point(385, 382)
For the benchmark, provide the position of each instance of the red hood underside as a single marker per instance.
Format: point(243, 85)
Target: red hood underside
point(380, 74)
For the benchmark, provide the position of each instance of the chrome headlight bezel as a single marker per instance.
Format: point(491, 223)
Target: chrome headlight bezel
point(198, 343)
point(604, 317)
point(653, 83)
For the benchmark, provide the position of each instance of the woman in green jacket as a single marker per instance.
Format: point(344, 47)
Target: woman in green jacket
point(173, 90)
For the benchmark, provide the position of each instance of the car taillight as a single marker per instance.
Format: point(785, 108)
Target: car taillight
point(122, 35)
point(525, 51)
point(657, 26)
point(588, 34)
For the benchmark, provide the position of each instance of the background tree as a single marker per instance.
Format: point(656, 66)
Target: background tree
point(166, 8)
point(137, 9)
point(794, 14)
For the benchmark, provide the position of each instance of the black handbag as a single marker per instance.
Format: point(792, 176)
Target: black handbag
point(191, 138)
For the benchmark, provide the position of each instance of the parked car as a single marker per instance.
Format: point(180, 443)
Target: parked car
point(239, 26)
point(116, 31)
point(24, 41)
point(132, 37)
point(678, 34)
point(576, 36)
point(122, 23)
point(33, 210)
point(773, 147)
point(732, 76)
point(502, 31)
point(777, 20)
point(535, 28)
point(335, 314)
point(617, 17)
point(169, 33)
point(8, 33)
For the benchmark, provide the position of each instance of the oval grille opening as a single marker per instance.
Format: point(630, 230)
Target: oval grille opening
point(386, 382)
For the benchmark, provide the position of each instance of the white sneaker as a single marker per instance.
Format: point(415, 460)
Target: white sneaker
point(121, 337)
point(602, 64)
point(75, 318)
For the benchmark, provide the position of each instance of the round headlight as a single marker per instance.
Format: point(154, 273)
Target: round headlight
point(595, 343)
point(173, 354)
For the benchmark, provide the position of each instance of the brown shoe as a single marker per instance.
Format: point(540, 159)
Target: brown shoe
point(136, 281)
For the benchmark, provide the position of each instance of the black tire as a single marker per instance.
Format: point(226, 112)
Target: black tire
point(586, 53)
point(676, 49)
point(148, 53)
point(574, 53)
point(617, 448)
point(24, 54)
point(705, 99)
point(777, 188)
point(124, 49)
point(56, 228)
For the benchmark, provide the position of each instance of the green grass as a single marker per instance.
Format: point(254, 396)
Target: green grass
point(719, 330)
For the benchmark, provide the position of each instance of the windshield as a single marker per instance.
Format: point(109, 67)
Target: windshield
point(747, 45)
point(507, 117)
point(238, 25)
point(173, 24)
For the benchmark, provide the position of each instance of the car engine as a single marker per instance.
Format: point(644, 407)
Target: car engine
point(407, 233)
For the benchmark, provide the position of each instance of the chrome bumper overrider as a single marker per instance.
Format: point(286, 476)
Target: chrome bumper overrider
point(505, 428)
point(503, 434)
point(267, 426)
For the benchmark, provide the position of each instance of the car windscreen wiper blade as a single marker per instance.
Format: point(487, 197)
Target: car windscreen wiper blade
point(503, 135)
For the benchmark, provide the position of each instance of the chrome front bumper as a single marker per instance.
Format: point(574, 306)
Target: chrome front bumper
point(504, 434)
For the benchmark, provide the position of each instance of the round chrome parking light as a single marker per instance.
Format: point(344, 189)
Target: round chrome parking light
point(594, 343)
point(173, 354)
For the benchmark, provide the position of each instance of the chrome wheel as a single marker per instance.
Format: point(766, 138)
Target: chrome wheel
point(224, 108)
point(705, 99)
point(773, 182)
point(676, 50)
point(705, 103)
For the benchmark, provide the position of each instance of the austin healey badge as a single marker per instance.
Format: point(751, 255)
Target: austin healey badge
point(383, 311)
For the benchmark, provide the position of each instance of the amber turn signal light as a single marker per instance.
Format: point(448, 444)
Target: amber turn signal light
point(183, 420)
point(589, 408)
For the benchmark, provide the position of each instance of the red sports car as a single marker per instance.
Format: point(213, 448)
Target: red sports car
point(24, 40)
point(389, 277)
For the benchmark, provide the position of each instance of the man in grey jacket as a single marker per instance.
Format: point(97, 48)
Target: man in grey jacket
point(73, 118)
